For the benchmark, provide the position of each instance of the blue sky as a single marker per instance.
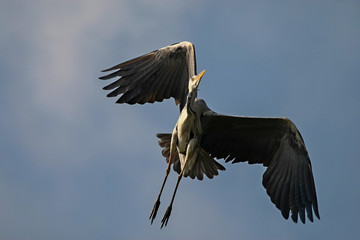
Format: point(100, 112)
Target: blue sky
point(75, 165)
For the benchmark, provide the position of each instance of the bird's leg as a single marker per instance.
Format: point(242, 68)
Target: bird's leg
point(157, 202)
point(190, 153)
point(166, 217)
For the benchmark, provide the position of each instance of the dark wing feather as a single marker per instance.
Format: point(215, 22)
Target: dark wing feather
point(277, 144)
point(155, 76)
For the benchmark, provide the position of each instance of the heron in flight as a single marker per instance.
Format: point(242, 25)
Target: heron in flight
point(200, 135)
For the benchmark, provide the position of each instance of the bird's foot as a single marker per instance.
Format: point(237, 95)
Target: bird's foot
point(166, 217)
point(154, 210)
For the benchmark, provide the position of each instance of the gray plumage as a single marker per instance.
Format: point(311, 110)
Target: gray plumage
point(201, 135)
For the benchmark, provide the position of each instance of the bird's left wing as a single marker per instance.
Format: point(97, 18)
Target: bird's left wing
point(155, 76)
point(277, 144)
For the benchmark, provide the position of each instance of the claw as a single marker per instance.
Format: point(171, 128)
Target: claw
point(154, 210)
point(166, 217)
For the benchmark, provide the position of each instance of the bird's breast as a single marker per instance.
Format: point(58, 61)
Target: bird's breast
point(186, 124)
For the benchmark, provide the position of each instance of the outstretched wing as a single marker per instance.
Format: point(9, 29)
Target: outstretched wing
point(278, 145)
point(155, 76)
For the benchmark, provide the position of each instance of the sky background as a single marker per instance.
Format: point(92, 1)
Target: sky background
point(75, 165)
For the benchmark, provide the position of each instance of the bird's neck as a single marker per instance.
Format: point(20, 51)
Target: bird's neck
point(189, 109)
point(190, 102)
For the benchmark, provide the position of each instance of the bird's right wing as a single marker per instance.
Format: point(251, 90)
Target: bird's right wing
point(155, 76)
point(278, 145)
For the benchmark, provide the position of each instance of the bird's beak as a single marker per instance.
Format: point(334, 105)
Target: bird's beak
point(199, 76)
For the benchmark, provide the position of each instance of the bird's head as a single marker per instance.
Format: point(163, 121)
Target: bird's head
point(194, 81)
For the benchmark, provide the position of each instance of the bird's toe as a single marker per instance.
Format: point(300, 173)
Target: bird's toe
point(166, 217)
point(154, 210)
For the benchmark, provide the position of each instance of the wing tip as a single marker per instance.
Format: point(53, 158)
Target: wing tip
point(103, 77)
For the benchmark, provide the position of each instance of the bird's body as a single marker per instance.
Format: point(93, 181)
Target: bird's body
point(200, 134)
point(184, 130)
point(184, 138)
point(187, 131)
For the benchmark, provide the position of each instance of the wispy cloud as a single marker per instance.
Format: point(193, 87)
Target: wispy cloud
point(61, 40)
point(72, 158)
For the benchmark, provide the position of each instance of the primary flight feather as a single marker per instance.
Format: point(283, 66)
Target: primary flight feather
point(200, 135)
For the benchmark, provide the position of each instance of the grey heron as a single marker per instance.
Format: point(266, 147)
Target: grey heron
point(200, 135)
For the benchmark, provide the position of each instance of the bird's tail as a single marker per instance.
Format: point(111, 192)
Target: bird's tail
point(164, 142)
point(204, 163)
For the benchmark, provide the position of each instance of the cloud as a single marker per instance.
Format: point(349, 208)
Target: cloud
point(63, 46)
point(71, 154)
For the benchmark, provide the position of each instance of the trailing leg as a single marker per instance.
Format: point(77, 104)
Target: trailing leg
point(157, 202)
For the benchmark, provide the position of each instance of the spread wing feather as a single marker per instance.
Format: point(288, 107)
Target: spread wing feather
point(153, 77)
point(277, 144)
